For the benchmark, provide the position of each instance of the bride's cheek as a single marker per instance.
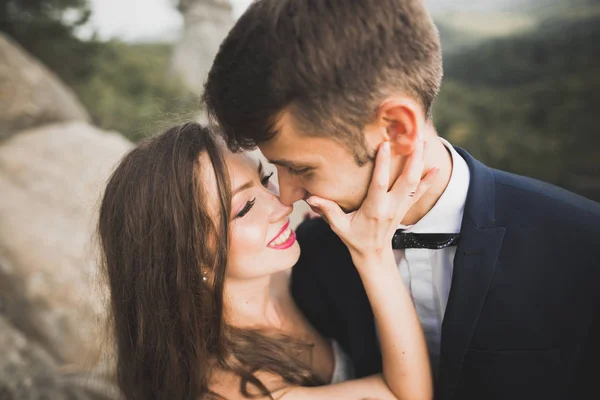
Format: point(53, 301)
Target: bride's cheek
point(248, 236)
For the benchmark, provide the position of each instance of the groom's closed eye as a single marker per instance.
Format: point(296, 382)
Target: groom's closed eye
point(298, 171)
point(293, 167)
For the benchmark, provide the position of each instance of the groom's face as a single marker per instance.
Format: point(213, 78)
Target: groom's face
point(316, 165)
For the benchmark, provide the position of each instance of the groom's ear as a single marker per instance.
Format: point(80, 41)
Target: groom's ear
point(403, 119)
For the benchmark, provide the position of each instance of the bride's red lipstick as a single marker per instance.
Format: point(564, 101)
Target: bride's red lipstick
point(288, 243)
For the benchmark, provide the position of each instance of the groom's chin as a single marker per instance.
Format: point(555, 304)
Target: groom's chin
point(344, 209)
point(348, 210)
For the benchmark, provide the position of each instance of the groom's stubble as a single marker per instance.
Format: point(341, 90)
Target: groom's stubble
point(329, 65)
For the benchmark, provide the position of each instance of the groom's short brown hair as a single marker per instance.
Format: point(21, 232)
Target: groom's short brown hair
point(328, 62)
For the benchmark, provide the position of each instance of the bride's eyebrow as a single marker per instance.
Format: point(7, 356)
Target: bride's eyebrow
point(250, 183)
point(260, 168)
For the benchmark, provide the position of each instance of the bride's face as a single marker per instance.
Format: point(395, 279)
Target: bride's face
point(261, 241)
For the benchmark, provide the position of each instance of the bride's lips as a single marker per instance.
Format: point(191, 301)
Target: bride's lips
point(289, 241)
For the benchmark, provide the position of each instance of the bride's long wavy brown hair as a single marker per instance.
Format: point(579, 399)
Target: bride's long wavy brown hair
point(156, 231)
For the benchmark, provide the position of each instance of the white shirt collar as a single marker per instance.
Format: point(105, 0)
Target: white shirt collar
point(447, 214)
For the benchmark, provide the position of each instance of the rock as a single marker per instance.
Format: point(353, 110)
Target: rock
point(206, 23)
point(31, 95)
point(51, 179)
point(28, 372)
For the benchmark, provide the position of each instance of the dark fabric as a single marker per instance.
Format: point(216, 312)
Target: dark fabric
point(523, 315)
point(431, 241)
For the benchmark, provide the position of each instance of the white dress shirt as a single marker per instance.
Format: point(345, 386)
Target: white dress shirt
point(427, 274)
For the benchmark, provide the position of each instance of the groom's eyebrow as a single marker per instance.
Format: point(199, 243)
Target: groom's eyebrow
point(249, 184)
point(289, 164)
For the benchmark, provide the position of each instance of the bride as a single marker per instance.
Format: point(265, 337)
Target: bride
point(197, 249)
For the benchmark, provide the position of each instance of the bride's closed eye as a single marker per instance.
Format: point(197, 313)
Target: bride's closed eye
point(247, 208)
point(265, 181)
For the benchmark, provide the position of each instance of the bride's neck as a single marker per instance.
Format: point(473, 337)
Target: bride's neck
point(260, 303)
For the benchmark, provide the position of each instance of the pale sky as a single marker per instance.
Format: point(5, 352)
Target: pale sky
point(159, 20)
point(142, 20)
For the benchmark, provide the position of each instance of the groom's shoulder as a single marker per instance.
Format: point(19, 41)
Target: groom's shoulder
point(517, 193)
point(320, 246)
point(316, 236)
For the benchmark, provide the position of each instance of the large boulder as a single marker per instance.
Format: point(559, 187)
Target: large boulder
point(206, 23)
point(29, 372)
point(31, 95)
point(51, 179)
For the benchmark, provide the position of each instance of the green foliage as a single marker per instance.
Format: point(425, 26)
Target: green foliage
point(528, 103)
point(130, 90)
point(558, 47)
point(125, 87)
point(566, 9)
point(46, 28)
point(461, 30)
point(27, 18)
point(455, 40)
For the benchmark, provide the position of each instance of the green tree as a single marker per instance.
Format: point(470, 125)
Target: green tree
point(528, 103)
point(125, 87)
point(46, 28)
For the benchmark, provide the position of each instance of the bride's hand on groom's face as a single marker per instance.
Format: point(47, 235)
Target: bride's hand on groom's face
point(368, 231)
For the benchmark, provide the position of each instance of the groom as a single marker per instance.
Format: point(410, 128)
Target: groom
point(504, 270)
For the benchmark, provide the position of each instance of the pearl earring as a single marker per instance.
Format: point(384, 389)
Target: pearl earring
point(204, 278)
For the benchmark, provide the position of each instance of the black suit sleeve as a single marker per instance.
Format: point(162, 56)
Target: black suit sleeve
point(307, 286)
point(586, 376)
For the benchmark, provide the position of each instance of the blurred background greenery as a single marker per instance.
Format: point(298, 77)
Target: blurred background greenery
point(520, 91)
point(126, 87)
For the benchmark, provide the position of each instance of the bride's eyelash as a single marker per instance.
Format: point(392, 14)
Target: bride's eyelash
point(246, 208)
point(265, 182)
point(265, 179)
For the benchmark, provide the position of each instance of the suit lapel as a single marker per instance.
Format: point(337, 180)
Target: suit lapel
point(474, 266)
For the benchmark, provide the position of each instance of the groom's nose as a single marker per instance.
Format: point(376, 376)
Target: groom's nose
point(289, 189)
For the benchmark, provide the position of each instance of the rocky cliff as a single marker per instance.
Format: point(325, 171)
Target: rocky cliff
point(31, 95)
point(53, 167)
point(206, 23)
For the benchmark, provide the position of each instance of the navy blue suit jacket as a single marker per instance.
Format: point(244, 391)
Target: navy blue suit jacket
point(523, 316)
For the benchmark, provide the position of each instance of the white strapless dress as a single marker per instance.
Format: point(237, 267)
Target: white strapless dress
point(343, 369)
